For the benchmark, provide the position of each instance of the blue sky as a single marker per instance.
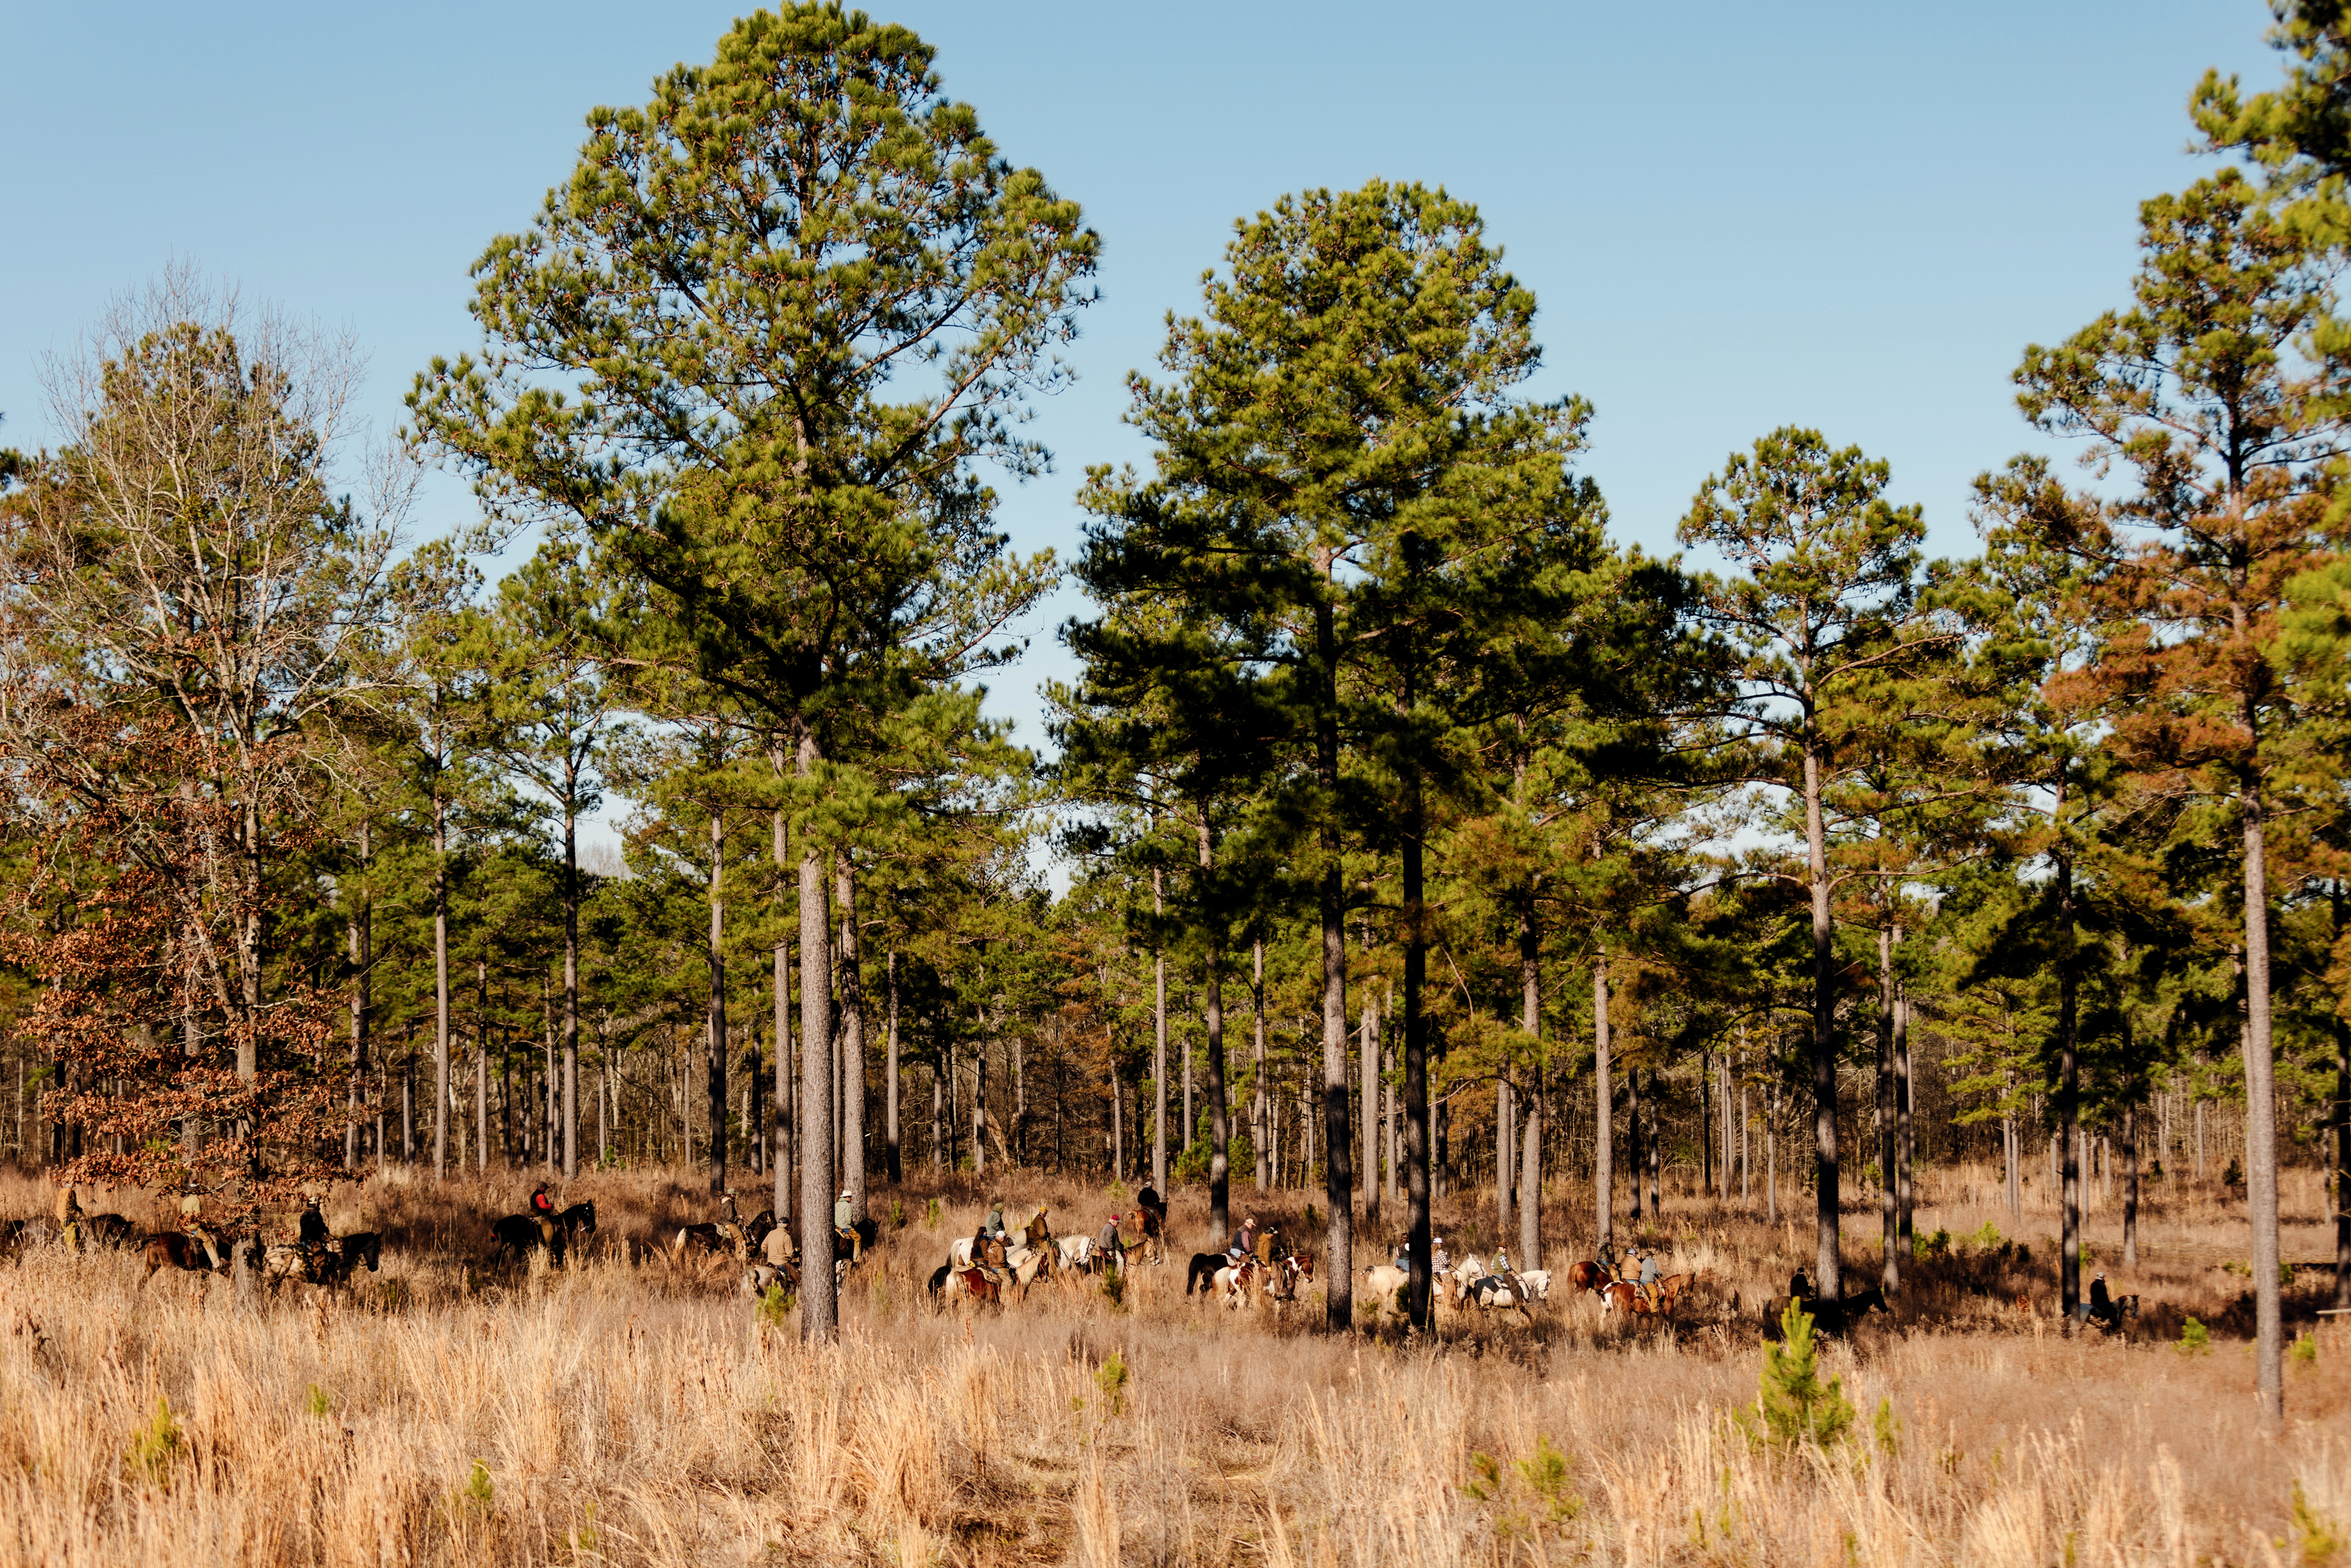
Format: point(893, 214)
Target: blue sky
point(1735, 216)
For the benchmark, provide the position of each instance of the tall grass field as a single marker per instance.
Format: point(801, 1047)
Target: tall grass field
point(625, 1409)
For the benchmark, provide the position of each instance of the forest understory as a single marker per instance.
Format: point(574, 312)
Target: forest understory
point(625, 1410)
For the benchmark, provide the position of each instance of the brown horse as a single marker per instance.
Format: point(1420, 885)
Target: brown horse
point(1624, 1296)
point(977, 1284)
point(173, 1250)
point(1588, 1276)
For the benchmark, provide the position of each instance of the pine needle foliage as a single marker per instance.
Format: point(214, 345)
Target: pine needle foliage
point(1792, 1404)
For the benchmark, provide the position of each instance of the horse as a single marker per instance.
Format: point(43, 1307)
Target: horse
point(289, 1262)
point(1385, 1284)
point(360, 1246)
point(1153, 1244)
point(518, 1234)
point(106, 1229)
point(725, 1236)
point(1538, 1280)
point(1289, 1273)
point(974, 1283)
point(1237, 1281)
point(1624, 1296)
point(760, 1278)
point(1077, 1251)
point(1494, 1292)
point(1836, 1317)
point(173, 1249)
point(1202, 1273)
point(1029, 1264)
point(576, 1222)
point(1465, 1274)
point(1669, 1290)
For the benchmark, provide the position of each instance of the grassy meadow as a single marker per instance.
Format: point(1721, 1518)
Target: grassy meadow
point(620, 1410)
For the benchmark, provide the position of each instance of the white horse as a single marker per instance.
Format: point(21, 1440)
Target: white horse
point(1077, 1251)
point(1494, 1292)
point(1384, 1283)
point(1465, 1276)
point(1538, 1280)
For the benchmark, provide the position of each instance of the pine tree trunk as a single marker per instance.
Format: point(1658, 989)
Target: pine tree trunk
point(1604, 1109)
point(1371, 1103)
point(1906, 1132)
point(482, 1073)
point(1261, 1104)
point(1339, 1272)
point(782, 1131)
point(1890, 1271)
point(852, 1039)
point(1219, 1152)
point(2069, 1086)
point(572, 970)
point(1158, 1040)
point(1531, 1023)
point(2015, 1184)
point(1826, 1277)
point(890, 1073)
point(2261, 1120)
point(2339, 1118)
point(440, 983)
point(2130, 1185)
point(715, 1061)
point(820, 1317)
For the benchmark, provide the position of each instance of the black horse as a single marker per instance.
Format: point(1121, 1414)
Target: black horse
point(576, 1222)
point(106, 1230)
point(365, 1247)
point(518, 1234)
point(1202, 1271)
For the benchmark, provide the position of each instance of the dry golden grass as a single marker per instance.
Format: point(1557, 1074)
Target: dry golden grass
point(621, 1412)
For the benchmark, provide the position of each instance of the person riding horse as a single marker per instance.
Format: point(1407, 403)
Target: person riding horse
point(1111, 1244)
point(844, 1225)
point(69, 1220)
point(1651, 1272)
point(312, 1226)
point(1153, 1212)
point(1505, 1274)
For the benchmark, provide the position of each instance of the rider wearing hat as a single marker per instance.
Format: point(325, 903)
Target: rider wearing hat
point(844, 1224)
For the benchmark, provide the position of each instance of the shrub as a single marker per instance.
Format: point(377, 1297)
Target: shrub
point(2195, 1339)
point(2305, 1348)
point(775, 1307)
point(1111, 1378)
point(1545, 1473)
point(2320, 1539)
point(1792, 1404)
point(154, 1446)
